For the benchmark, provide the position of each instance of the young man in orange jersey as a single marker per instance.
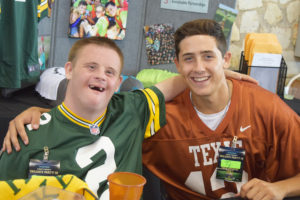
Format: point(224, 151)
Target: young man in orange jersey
point(223, 137)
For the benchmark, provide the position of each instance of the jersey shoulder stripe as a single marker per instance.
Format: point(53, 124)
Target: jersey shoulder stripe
point(154, 118)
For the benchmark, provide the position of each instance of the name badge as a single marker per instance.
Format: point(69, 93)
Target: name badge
point(44, 167)
point(230, 164)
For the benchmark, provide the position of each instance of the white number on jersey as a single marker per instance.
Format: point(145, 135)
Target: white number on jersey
point(98, 174)
point(195, 182)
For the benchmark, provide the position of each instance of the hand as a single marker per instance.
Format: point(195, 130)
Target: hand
point(239, 76)
point(16, 126)
point(261, 190)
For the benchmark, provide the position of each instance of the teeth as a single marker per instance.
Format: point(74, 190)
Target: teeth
point(96, 88)
point(200, 78)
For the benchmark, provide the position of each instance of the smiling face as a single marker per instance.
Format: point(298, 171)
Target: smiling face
point(82, 9)
point(202, 65)
point(99, 11)
point(93, 77)
point(111, 10)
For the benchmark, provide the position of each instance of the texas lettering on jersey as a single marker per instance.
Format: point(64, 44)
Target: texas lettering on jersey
point(204, 150)
point(209, 156)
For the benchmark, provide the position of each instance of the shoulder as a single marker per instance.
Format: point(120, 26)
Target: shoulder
point(180, 101)
point(140, 94)
point(153, 92)
point(180, 109)
point(137, 100)
point(252, 91)
point(259, 100)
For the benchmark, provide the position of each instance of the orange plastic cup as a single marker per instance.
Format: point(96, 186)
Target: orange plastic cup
point(125, 186)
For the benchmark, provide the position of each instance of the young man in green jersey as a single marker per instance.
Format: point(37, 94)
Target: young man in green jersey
point(94, 132)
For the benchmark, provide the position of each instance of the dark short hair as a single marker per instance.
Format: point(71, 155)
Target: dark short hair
point(201, 27)
point(84, 3)
point(100, 41)
point(110, 3)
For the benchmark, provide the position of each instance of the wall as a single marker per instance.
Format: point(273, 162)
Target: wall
point(280, 17)
point(274, 16)
point(141, 12)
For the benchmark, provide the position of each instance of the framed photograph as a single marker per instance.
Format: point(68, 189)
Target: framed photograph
point(225, 16)
point(103, 18)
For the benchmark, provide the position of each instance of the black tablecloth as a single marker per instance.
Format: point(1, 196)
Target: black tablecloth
point(294, 104)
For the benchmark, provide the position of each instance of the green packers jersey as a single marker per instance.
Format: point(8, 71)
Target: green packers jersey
point(42, 9)
point(19, 42)
point(130, 116)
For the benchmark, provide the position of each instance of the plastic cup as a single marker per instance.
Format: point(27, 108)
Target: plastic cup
point(125, 186)
point(50, 192)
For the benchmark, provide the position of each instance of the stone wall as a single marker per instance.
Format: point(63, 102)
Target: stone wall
point(280, 17)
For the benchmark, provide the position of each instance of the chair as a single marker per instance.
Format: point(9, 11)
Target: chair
point(292, 90)
point(153, 188)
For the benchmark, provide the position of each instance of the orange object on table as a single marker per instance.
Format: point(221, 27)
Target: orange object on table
point(125, 186)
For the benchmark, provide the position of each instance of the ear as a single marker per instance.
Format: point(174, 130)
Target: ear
point(176, 61)
point(68, 70)
point(120, 79)
point(227, 59)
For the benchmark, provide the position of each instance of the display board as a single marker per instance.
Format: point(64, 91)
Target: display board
point(140, 13)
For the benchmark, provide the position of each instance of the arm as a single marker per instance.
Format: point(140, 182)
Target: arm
point(173, 86)
point(90, 20)
point(239, 76)
point(16, 126)
point(258, 189)
point(170, 88)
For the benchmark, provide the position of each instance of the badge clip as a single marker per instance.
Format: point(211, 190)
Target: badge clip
point(46, 154)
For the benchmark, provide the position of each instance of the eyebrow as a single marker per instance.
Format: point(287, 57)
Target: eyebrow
point(201, 53)
point(91, 63)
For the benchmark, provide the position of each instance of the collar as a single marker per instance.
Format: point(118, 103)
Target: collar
point(79, 120)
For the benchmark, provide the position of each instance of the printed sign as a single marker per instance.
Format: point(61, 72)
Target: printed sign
point(200, 6)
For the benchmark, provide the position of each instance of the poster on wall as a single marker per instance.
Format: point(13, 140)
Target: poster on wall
point(105, 18)
point(199, 6)
point(43, 55)
point(43, 51)
point(160, 43)
point(225, 16)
